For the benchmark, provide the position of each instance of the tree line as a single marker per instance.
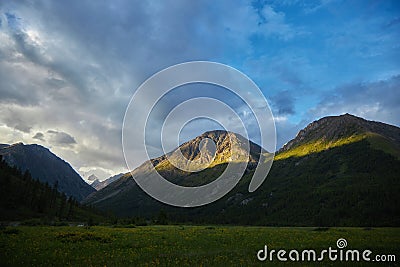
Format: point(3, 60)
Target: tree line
point(22, 196)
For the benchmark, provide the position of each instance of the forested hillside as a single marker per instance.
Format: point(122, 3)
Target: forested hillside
point(22, 197)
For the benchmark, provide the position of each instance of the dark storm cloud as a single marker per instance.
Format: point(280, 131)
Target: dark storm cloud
point(109, 52)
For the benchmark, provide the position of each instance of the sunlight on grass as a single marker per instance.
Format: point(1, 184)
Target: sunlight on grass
point(376, 141)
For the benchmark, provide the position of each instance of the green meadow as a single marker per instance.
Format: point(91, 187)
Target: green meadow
point(181, 245)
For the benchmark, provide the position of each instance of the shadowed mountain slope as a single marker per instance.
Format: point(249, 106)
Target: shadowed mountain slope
point(47, 168)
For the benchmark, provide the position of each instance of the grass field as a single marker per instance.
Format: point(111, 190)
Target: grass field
point(181, 245)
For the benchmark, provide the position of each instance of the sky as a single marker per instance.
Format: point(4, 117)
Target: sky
point(69, 68)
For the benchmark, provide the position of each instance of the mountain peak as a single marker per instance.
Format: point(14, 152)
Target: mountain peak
point(215, 147)
point(334, 128)
point(210, 149)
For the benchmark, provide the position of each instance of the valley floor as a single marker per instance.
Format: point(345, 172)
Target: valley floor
point(183, 245)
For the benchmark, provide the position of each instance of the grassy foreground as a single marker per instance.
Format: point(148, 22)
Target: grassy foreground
point(180, 245)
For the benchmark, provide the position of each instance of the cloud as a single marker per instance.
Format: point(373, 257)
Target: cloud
point(74, 66)
point(39, 136)
point(61, 138)
point(273, 23)
point(283, 102)
point(320, 4)
point(377, 100)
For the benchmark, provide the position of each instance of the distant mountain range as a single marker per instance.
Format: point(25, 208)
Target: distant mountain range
point(97, 184)
point(47, 168)
point(339, 170)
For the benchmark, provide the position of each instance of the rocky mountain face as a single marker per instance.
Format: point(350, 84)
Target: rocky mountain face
point(207, 150)
point(47, 168)
point(200, 153)
point(223, 152)
point(338, 171)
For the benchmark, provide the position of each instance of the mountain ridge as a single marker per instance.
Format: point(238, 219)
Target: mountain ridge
point(191, 150)
point(45, 166)
point(337, 185)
